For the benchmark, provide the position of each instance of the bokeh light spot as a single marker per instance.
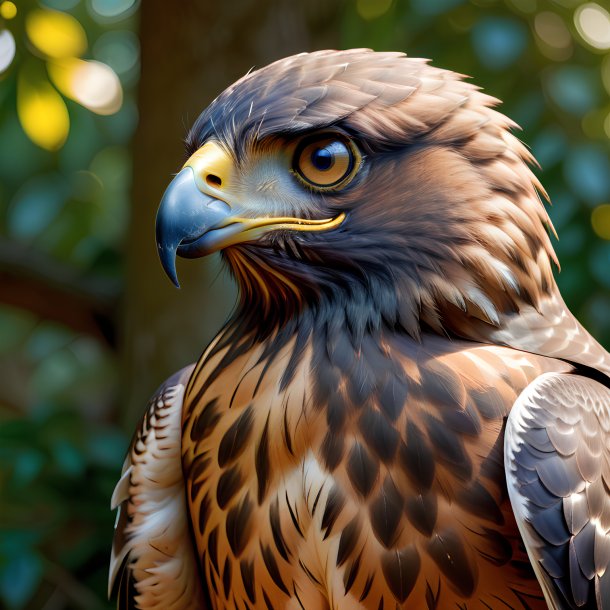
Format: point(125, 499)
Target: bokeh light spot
point(553, 37)
point(600, 221)
point(55, 34)
point(8, 10)
point(573, 88)
point(118, 49)
point(551, 28)
point(7, 49)
point(587, 171)
point(111, 9)
point(371, 9)
point(42, 113)
point(431, 9)
point(498, 42)
point(35, 205)
point(593, 24)
point(92, 84)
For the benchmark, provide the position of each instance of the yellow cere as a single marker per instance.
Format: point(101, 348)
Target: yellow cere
point(42, 113)
point(55, 34)
point(92, 84)
point(8, 10)
point(600, 220)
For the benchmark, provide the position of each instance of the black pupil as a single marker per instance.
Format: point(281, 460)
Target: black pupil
point(322, 159)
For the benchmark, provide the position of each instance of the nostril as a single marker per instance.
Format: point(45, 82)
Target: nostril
point(213, 181)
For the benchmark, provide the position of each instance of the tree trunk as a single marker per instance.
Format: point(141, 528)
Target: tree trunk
point(190, 52)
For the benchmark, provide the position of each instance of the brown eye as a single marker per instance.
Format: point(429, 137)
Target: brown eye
point(325, 162)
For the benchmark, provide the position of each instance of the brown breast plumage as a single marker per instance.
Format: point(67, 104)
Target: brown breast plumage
point(327, 476)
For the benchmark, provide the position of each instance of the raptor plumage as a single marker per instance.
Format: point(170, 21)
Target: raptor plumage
point(401, 412)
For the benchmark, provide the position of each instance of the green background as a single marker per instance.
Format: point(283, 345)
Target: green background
point(79, 346)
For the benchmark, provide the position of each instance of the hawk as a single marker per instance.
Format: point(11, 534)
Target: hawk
point(401, 412)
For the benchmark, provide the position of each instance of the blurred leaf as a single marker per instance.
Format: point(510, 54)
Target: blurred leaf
point(55, 34)
point(573, 88)
point(587, 171)
point(20, 577)
point(499, 41)
point(42, 112)
point(92, 84)
point(36, 204)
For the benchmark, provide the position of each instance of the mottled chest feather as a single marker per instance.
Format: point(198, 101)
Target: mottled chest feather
point(370, 477)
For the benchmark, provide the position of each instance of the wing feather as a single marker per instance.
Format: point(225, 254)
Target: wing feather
point(557, 450)
point(153, 564)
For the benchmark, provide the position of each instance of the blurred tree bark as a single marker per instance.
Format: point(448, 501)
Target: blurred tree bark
point(190, 52)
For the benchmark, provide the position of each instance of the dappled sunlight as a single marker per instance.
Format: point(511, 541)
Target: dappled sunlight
point(92, 84)
point(42, 112)
point(593, 24)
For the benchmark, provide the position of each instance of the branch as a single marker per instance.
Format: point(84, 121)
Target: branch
point(54, 291)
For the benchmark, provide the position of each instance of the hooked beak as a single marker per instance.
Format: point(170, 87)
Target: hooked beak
point(195, 217)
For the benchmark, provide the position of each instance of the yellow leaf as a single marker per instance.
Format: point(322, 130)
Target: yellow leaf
point(92, 84)
point(42, 113)
point(55, 34)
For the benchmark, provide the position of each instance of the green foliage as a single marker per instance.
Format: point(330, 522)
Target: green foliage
point(66, 212)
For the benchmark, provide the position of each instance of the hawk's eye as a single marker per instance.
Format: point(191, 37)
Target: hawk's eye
point(325, 162)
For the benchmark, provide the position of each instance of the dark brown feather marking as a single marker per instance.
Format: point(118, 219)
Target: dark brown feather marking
point(309, 573)
point(272, 568)
point(393, 396)
point(447, 551)
point(228, 485)
point(362, 469)
point(348, 540)
point(267, 601)
point(332, 449)
point(234, 440)
point(351, 572)
point(286, 430)
point(262, 462)
point(449, 448)
point(416, 458)
point(334, 505)
point(246, 569)
point(276, 529)
point(360, 383)
point(400, 569)
point(205, 421)
point(489, 402)
point(204, 512)
point(293, 517)
point(367, 587)
point(432, 598)
point(226, 577)
point(422, 511)
point(379, 434)
point(336, 412)
point(213, 549)
point(478, 501)
point(463, 421)
point(441, 385)
point(238, 525)
point(494, 547)
point(386, 512)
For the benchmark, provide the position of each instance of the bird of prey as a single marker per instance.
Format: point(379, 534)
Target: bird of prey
point(401, 412)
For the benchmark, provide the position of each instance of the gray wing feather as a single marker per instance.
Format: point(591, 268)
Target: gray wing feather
point(153, 564)
point(557, 461)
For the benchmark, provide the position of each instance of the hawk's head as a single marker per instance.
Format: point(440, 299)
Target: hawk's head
point(372, 182)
